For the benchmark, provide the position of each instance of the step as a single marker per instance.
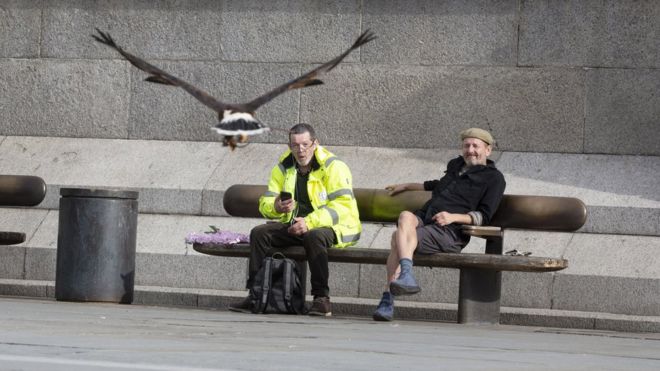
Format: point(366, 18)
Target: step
point(176, 177)
point(608, 273)
point(360, 307)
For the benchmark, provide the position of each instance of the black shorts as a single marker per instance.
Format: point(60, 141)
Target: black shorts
point(432, 239)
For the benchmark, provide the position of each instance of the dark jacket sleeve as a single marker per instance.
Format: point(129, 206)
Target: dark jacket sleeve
point(492, 197)
point(429, 185)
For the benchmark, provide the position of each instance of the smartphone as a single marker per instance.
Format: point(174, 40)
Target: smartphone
point(285, 196)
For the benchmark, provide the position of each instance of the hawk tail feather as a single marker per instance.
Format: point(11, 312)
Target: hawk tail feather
point(105, 39)
point(361, 40)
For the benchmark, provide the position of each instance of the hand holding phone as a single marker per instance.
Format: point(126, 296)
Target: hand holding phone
point(285, 196)
point(285, 204)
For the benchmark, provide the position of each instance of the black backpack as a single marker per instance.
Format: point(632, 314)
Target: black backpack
point(277, 287)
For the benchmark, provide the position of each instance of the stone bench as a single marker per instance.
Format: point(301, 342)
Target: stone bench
point(19, 190)
point(480, 274)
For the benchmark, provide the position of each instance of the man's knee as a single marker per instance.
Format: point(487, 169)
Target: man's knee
point(260, 230)
point(260, 234)
point(407, 220)
point(321, 237)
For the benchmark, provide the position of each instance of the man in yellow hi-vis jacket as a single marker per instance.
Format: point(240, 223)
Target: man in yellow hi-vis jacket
point(310, 194)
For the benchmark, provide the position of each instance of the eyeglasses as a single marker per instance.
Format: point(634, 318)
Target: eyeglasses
point(301, 146)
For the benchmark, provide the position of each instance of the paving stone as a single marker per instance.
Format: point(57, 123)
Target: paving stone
point(622, 111)
point(19, 28)
point(298, 30)
point(64, 98)
point(167, 30)
point(441, 33)
point(426, 106)
point(590, 33)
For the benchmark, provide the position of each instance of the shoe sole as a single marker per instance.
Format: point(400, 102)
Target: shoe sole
point(240, 310)
point(378, 317)
point(319, 314)
point(399, 290)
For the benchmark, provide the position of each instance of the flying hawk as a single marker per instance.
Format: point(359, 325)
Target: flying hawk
point(237, 121)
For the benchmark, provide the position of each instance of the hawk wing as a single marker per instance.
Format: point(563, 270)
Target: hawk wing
point(311, 77)
point(161, 77)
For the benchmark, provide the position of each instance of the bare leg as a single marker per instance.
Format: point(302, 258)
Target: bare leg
point(385, 309)
point(406, 235)
point(406, 243)
point(393, 268)
point(403, 244)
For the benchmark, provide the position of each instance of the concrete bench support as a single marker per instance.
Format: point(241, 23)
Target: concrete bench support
point(479, 293)
point(480, 290)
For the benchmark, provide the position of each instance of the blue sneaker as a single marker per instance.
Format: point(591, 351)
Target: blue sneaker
point(385, 310)
point(405, 284)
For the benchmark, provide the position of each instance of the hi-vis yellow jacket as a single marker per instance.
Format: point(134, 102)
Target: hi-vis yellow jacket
point(330, 190)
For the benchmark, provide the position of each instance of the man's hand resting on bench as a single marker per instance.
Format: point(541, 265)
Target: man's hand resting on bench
point(398, 188)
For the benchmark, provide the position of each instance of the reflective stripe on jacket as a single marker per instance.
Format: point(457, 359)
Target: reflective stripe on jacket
point(330, 190)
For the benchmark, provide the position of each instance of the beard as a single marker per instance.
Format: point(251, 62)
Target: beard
point(471, 160)
point(303, 160)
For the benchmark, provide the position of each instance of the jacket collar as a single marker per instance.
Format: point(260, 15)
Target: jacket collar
point(458, 163)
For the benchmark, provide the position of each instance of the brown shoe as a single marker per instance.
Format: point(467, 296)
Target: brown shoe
point(243, 306)
point(321, 306)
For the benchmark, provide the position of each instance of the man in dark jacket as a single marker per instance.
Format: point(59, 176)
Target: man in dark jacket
point(468, 193)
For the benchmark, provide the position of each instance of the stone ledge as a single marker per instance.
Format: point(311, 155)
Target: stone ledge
point(596, 279)
point(220, 299)
point(180, 177)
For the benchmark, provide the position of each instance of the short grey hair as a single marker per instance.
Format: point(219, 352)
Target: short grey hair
point(301, 129)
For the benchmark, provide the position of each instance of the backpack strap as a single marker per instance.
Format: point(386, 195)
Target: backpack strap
point(262, 302)
point(288, 284)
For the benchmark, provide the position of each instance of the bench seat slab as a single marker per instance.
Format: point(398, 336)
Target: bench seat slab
point(480, 274)
point(491, 262)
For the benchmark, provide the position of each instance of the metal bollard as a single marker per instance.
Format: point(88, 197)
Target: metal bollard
point(96, 245)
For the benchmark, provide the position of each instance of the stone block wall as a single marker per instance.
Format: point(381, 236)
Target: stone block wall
point(544, 76)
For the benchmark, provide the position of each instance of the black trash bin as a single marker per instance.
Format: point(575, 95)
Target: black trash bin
point(96, 245)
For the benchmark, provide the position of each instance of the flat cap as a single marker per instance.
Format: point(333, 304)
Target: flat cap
point(479, 134)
